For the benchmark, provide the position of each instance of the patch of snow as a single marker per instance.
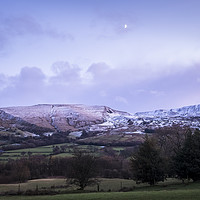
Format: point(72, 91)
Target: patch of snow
point(76, 133)
point(48, 134)
point(107, 123)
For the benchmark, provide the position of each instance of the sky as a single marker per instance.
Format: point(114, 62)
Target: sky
point(130, 55)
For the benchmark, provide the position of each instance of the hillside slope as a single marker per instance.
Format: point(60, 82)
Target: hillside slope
point(47, 118)
point(57, 118)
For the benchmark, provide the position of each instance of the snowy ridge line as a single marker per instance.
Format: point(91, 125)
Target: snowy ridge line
point(76, 117)
point(186, 111)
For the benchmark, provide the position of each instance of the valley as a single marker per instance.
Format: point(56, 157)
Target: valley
point(42, 142)
point(46, 124)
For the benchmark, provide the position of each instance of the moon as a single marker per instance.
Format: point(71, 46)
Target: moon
point(125, 26)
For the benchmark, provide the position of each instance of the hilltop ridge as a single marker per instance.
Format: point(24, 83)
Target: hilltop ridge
point(52, 118)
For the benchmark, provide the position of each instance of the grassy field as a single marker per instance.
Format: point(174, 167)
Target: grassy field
point(105, 185)
point(114, 139)
point(43, 150)
point(48, 150)
point(182, 194)
point(169, 190)
point(41, 184)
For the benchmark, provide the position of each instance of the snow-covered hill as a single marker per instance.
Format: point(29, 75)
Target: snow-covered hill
point(187, 111)
point(185, 116)
point(61, 118)
point(47, 119)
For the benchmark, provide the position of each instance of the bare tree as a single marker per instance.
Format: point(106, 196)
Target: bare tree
point(83, 168)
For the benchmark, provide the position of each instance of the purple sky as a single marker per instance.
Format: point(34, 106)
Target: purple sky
point(79, 51)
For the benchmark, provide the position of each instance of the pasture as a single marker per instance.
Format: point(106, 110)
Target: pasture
point(59, 184)
point(165, 192)
point(48, 150)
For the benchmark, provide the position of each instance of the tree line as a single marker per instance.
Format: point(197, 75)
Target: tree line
point(172, 152)
point(80, 165)
point(168, 152)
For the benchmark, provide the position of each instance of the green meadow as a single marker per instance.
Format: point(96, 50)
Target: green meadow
point(182, 192)
point(48, 150)
point(169, 190)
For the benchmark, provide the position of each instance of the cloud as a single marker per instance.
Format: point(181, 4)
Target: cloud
point(31, 74)
point(3, 82)
point(2, 41)
point(170, 90)
point(25, 88)
point(108, 86)
point(20, 26)
point(65, 73)
point(121, 99)
point(101, 73)
point(32, 86)
point(157, 93)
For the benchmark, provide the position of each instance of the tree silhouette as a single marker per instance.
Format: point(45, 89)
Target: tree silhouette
point(83, 168)
point(147, 164)
point(187, 159)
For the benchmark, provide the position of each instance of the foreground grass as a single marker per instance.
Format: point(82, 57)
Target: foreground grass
point(188, 194)
point(104, 185)
point(169, 190)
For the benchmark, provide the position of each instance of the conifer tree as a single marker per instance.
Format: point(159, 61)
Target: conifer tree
point(187, 160)
point(147, 164)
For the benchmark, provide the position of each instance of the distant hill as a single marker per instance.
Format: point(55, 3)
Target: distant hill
point(56, 118)
point(51, 118)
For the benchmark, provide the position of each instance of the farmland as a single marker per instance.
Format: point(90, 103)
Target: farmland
point(43, 150)
point(44, 168)
point(64, 150)
point(59, 184)
point(172, 189)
